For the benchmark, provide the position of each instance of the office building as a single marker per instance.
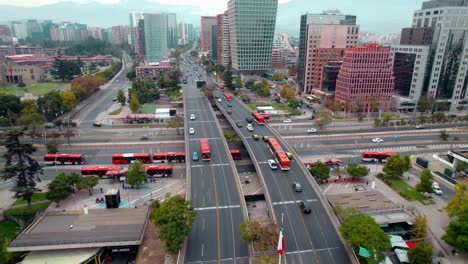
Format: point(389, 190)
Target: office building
point(20, 29)
point(33, 28)
point(223, 44)
point(135, 18)
point(5, 34)
point(207, 23)
point(214, 42)
point(251, 32)
point(328, 17)
point(447, 75)
point(191, 32)
point(417, 36)
point(155, 31)
point(182, 33)
point(365, 81)
point(171, 31)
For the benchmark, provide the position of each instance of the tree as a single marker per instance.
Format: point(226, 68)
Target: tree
point(293, 104)
point(265, 88)
point(361, 230)
point(53, 146)
point(20, 165)
point(425, 182)
point(134, 104)
point(322, 119)
point(121, 97)
point(249, 230)
point(10, 106)
point(444, 135)
point(68, 100)
point(87, 183)
point(461, 167)
point(372, 103)
point(51, 104)
point(176, 122)
point(396, 166)
point(426, 103)
point(250, 84)
point(29, 106)
point(65, 69)
point(131, 75)
point(231, 136)
point(136, 174)
point(30, 119)
point(264, 233)
point(287, 92)
point(228, 78)
point(420, 226)
point(459, 202)
point(173, 219)
point(421, 253)
point(356, 170)
point(456, 233)
point(238, 83)
point(59, 189)
point(386, 118)
point(320, 171)
point(277, 77)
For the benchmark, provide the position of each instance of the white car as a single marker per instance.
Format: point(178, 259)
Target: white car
point(250, 127)
point(192, 117)
point(272, 164)
point(420, 127)
point(377, 140)
point(219, 100)
point(191, 131)
point(287, 121)
point(436, 188)
point(311, 130)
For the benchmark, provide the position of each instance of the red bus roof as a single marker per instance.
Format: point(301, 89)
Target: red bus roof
point(235, 151)
point(205, 146)
point(169, 153)
point(283, 158)
point(101, 168)
point(158, 167)
point(63, 155)
point(273, 143)
point(379, 153)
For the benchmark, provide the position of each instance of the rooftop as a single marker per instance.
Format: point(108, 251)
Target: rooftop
point(74, 229)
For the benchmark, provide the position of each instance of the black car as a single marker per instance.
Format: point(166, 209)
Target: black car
point(239, 124)
point(248, 119)
point(305, 207)
point(97, 124)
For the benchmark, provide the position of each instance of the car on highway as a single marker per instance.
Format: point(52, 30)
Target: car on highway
point(311, 117)
point(229, 112)
point(192, 117)
point(377, 140)
point(297, 187)
point(287, 121)
point(311, 130)
point(97, 124)
point(289, 154)
point(420, 126)
point(239, 124)
point(255, 137)
point(265, 138)
point(114, 99)
point(452, 116)
point(191, 131)
point(195, 156)
point(306, 207)
point(272, 164)
point(248, 119)
point(229, 105)
point(144, 137)
point(219, 100)
point(250, 128)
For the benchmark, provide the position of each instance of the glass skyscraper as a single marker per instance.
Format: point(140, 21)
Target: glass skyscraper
point(155, 30)
point(252, 29)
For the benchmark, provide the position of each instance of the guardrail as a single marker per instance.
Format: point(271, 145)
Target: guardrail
point(334, 219)
point(254, 161)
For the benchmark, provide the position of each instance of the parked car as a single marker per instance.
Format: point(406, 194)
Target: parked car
point(377, 140)
point(311, 130)
point(272, 164)
point(191, 131)
point(192, 117)
point(287, 121)
point(195, 156)
point(305, 207)
point(297, 187)
point(437, 190)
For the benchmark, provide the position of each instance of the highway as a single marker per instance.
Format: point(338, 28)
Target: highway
point(309, 238)
point(215, 193)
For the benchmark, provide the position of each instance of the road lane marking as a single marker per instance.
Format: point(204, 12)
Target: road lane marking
point(191, 122)
point(310, 250)
point(203, 138)
point(216, 207)
point(295, 202)
point(211, 165)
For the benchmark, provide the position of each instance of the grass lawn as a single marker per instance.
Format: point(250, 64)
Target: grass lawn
point(116, 111)
point(30, 90)
point(148, 108)
point(252, 106)
point(8, 229)
point(278, 106)
point(26, 214)
point(173, 95)
point(33, 85)
point(37, 197)
point(406, 191)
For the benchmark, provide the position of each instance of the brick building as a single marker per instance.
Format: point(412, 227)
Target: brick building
point(153, 72)
point(207, 23)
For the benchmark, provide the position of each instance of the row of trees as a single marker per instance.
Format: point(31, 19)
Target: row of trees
point(65, 184)
point(322, 171)
point(456, 233)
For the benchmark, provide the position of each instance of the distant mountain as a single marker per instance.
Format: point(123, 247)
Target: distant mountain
point(373, 16)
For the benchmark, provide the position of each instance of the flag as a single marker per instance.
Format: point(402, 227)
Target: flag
point(281, 242)
point(363, 252)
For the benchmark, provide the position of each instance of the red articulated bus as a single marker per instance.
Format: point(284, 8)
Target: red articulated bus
point(273, 145)
point(282, 159)
point(205, 149)
point(235, 153)
point(227, 96)
point(375, 156)
point(259, 118)
point(221, 88)
point(165, 157)
point(103, 171)
point(158, 170)
point(128, 158)
point(64, 159)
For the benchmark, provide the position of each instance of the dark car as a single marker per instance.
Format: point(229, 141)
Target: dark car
point(144, 138)
point(97, 124)
point(248, 119)
point(229, 112)
point(305, 207)
point(239, 124)
point(229, 105)
point(452, 115)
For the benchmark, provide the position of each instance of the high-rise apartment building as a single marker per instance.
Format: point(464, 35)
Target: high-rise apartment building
point(120, 34)
point(5, 34)
point(182, 33)
point(135, 18)
point(251, 32)
point(365, 81)
point(333, 17)
point(155, 31)
point(224, 51)
point(171, 31)
point(191, 32)
point(206, 25)
point(20, 29)
point(447, 75)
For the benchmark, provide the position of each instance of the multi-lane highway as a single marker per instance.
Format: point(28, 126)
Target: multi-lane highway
point(215, 190)
point(309, 238)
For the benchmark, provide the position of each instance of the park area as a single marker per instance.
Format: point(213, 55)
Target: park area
point(36, 88)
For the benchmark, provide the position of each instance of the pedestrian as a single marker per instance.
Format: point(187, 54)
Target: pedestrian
point(367, 182)
point(101, 189)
